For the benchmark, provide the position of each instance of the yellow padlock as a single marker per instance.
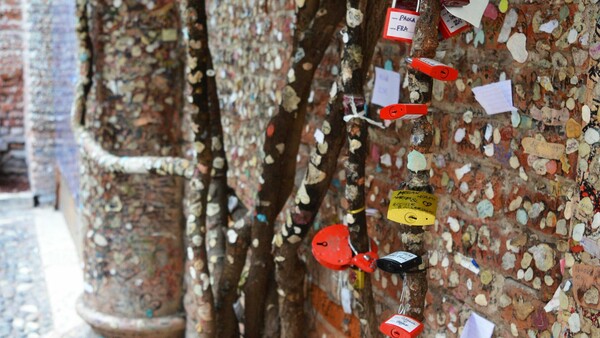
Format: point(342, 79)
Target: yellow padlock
point(357, 278)
point(409, 207)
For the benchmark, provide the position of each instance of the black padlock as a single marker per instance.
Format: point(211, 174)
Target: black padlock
point(399, 262)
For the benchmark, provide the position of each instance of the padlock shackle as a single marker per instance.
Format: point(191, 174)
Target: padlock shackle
point(418, 5)
point(372, 246)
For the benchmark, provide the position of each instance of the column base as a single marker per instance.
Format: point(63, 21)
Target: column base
point(110, 326)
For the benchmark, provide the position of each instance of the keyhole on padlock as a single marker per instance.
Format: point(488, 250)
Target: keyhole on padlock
point(322, 244)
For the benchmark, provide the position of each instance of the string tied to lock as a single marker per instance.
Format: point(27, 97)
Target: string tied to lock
point(350, 108)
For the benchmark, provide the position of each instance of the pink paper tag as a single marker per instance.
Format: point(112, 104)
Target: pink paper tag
point(491, 11)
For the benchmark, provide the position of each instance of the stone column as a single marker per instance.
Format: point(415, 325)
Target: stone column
point(133, 250)
point(38, 98)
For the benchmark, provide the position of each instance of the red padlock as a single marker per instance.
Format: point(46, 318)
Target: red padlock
point(331, 248)
point(403, 111)
point(450, 25)
point(366, 261)
point(433, 68)
point(455, 3)
point(400, 23)
point(401, 326)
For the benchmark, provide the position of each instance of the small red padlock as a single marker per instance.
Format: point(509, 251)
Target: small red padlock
point(455, 3)
point(366, 261)
point(403, 111)
point(400, 23)
point(450, 25)
point(433, 68)
point(401, 326)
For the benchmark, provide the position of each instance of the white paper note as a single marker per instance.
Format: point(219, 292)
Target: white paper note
point(496, 97)
point(471, 13)
point(477, 327)
point(387, 87)
point(346, 301)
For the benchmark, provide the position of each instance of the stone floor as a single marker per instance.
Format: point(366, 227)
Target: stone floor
point(40, 275)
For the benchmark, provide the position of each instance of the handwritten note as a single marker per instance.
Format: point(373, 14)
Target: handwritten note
point(472, 13)
point(400, 24)
point(387, 87)
point(541, 148)
point(496, 97)
point(477, 327)
point(585, 285)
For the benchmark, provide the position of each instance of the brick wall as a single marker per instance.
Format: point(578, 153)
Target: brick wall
point(513, 212)
point(12, 140)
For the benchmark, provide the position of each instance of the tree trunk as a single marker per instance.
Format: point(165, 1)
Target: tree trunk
point(322, 164)
point(317, 21)
point(424, 44)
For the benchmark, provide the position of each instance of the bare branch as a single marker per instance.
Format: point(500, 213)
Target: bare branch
point(236, 247)
point(217, 211)
point(197, 71)
point(357, 135)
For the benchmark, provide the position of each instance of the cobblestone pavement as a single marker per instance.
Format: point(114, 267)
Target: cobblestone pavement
point(24, 305)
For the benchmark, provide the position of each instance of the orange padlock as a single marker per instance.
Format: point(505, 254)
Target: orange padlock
point(401, 326)
point(403, 111)
point(331, 248)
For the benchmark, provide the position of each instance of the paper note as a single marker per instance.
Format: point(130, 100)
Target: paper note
point(541, 148)
point(467, 263)
point(554, 303)
point(585, 285)
point(471, 13)
point(477, 327)
point(346, 301)
point(387, 87)
point(496, 97)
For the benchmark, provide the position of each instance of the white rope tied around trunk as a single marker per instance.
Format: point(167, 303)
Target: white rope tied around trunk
point(362, 115)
